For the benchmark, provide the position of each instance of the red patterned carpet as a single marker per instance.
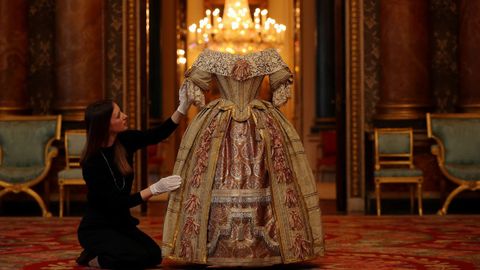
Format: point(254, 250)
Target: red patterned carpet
point(352, 242)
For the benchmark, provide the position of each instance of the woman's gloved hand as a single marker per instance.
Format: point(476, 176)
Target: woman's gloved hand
point(182, 98)
point(165, 184)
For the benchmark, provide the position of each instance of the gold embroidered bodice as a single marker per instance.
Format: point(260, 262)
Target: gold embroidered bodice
point(239, 78)
point(241, 93)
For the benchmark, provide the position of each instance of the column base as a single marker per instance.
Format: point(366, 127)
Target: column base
point(401, 112)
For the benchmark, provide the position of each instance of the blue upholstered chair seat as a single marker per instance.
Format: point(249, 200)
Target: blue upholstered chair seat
point(465, 172)
point(70, 174)
point(398, 172)
point(20, 175)
point(457, 150)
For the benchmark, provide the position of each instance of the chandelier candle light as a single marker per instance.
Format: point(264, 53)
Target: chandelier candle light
point(236, 32)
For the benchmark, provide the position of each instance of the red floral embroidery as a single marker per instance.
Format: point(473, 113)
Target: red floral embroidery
point(300, 247)
point(295, 221)
point(241, 70)
point(190, 227)
point(192, 204)
point(186, 249)
point(195, 180)
point(283, 172)
point(202, 155)
point(291, 199)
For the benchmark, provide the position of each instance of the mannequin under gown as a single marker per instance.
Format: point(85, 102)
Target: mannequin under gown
point(248, 197)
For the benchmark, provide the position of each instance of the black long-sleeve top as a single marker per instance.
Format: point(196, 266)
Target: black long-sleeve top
point(109, 199)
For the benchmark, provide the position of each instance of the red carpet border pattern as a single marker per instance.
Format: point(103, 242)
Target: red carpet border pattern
point(352, 242)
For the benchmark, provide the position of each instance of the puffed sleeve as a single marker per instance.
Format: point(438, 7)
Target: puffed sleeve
point(280, 83)
point(196, 82)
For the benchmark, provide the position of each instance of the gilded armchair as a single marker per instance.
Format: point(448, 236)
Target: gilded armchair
point(457, 150)
point(26, 153)
point(394, 163)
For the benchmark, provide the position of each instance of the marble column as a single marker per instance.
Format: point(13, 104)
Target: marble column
point(13, 57)
point(79, 56)
point(404, 49)
point(469, 55)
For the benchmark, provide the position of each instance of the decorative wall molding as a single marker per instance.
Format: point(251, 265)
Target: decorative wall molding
point(113, 38)
point(131, 63)
point(355, 106)
point(131, 70)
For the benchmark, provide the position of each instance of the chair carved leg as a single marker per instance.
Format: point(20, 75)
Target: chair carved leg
point(412, 199)
point(67, 201)
point(39, 200)
point(419, 195)
point(377, 195)
point(443, 210)
point(60, 199)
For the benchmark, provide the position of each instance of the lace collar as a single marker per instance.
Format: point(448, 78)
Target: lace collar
point(240, 67)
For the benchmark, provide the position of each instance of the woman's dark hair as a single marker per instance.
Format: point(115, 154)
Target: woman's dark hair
point(97, 122)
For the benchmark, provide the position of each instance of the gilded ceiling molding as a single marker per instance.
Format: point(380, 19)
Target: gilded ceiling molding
point(355, 103)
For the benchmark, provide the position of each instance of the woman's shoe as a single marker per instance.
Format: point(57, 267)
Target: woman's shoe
point(84, 258)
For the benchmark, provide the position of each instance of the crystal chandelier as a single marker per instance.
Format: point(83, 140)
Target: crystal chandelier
point(236, 32)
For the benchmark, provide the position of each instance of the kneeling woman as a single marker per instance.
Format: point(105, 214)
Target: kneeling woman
point(108, 233)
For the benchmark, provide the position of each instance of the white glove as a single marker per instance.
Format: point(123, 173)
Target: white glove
point(165, 184)
point(182, 98)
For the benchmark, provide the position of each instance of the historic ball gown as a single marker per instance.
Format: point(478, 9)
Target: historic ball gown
point(249, 197)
